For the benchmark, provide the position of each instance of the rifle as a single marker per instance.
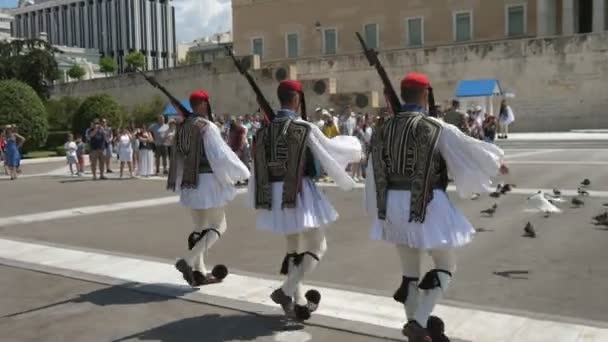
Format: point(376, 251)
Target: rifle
point(389, 91)
point(176, 103)
point(264, 105)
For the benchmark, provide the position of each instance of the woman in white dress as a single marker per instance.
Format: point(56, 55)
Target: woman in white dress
point(505, 118)
point(145, 166)
point(125, 151)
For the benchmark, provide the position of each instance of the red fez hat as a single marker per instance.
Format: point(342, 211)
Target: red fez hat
point(416, 80)
point(199, 95)
point(290, 85)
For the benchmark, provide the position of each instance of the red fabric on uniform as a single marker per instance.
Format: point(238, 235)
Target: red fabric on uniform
point(290, 85)
point(415, 80)
point(199, 95)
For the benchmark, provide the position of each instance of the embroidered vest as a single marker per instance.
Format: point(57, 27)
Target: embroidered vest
point(203, 165)
point(405, 157)
point(280, 156)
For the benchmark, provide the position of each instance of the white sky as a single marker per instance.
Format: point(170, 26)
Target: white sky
point(193, 18)
point(200, 18)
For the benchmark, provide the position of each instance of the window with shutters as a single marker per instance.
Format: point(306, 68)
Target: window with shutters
point(330, 41)
point(516, 20)
point(292, 42)
point(372, 36)
point(415, 32)
point(257, 46)
point(463, 26)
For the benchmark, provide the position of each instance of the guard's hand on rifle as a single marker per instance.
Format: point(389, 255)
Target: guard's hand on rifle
point(200, 123)
point(504, 170)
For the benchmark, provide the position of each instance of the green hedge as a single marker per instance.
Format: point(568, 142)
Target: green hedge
point(96, 107)
point(21, 106)
point(56, 139)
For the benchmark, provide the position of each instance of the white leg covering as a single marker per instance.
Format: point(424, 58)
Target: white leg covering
point(213, 218)
point(439, 280)
point(316, 245)
point(293, 244)
point(410, 264)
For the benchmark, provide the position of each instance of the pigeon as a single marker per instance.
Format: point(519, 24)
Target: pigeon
point(557, 193)
point(586, 182)
point(602, 217)
point(582, 192)
point(490, 211)
point(554, 199)
point(475, 197)
point(577, 202)
point(495, 194)
point(605, 204)
point(529, 230)
point(506, 188)
point(539, 203)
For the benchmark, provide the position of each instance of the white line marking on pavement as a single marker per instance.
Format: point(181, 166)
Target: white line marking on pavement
point(531, 153)
point(467, 324)
point(104, 208)
point(96, 209)
point(557, 162)
point(292, 336)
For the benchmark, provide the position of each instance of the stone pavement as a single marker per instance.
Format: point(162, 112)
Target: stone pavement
point(507, 288)
point(58, 308)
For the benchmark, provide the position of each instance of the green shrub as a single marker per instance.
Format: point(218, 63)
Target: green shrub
point(21, 106)
point(96, 107)
point(56, 139)
point(61, 112)
point(60, 151)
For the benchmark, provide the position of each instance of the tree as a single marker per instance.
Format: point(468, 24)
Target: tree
point(21, 106)
point(108, 65)
point(96, 107)
point(61, 111)
point(76, 72)
point(146, 113)
point(31, 61)
point(191, 58)
point(136, 59)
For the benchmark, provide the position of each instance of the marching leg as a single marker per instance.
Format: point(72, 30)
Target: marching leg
point(407, 293)
point(211, 224)
point(433, 286)
point(306, 262)
point(288, 268)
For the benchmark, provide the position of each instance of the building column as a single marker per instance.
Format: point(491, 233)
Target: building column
point(567, 17)
point(599, 15)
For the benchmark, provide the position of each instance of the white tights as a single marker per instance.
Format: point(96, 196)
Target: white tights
point(420, 303)
point(315, 243)
point(205, 219)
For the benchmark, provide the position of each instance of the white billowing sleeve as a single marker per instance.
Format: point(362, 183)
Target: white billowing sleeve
point(226, 165)
point(343, 149)
point(472, 163)
point(335, 154)
point(369, 193)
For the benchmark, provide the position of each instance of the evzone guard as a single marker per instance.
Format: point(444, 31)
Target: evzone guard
point(286, 199)
point(405, 192)
point(203, 171)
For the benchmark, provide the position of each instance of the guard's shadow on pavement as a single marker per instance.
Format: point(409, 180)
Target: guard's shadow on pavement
point(116, 295)
point(216, 328)
point(120, 295)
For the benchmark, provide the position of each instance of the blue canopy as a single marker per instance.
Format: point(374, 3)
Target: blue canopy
point(478, 88)
point(170, 110)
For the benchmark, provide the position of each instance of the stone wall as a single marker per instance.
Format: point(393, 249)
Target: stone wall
point(560, 83)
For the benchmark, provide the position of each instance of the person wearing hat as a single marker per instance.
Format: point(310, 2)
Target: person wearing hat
point(405, 193)
point(455, 116)
point(286, 200)
point(203, 170)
